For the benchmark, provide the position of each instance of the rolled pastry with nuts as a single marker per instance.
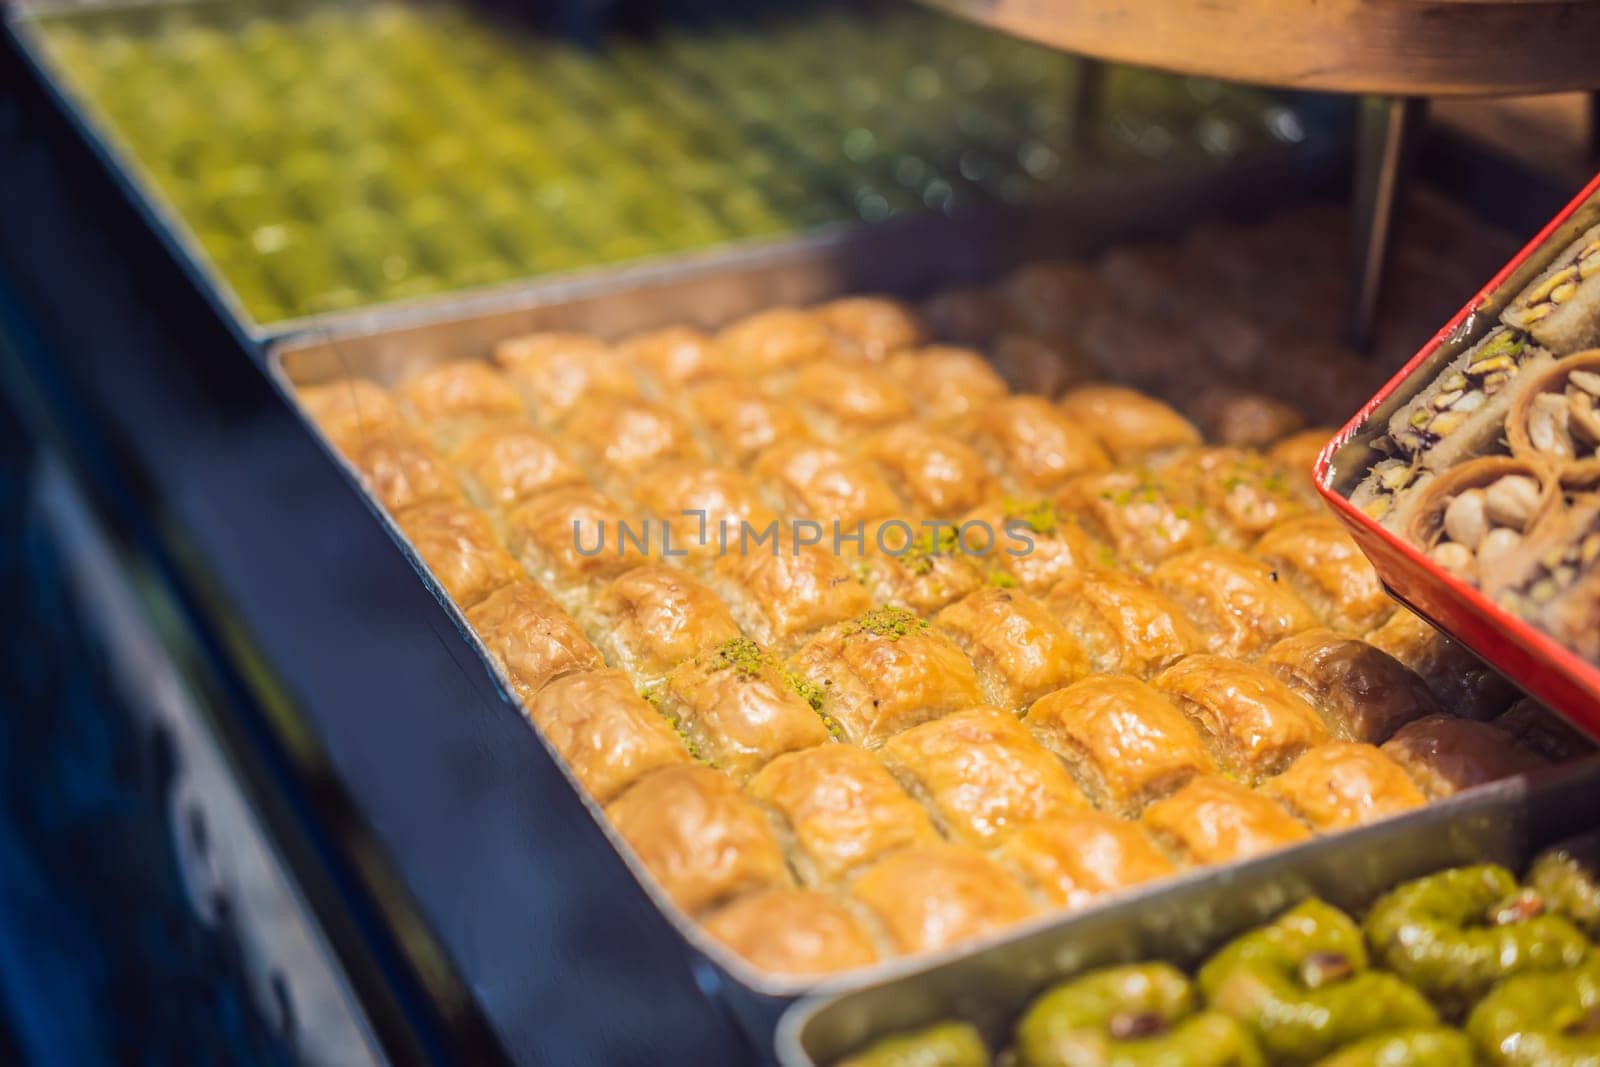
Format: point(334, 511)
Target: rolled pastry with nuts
point(1561, 307)
point(1460, 413)
point(1555, 419)
point(1391, 489)
point(1555, 583)
point(1472, 519)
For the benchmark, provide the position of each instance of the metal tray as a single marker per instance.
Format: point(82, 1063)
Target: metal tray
point(1183, 920)
point(1527, 656)
point(905, 259)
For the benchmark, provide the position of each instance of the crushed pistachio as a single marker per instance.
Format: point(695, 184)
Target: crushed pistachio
point(887, 621)
point(740, 653)
point(808, 690)
point(925, 548)
point(1002, 580)
point(1039, 516)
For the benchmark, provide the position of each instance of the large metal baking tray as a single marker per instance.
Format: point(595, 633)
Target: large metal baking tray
point(1526, 655)
point(906, 259)
point(1183, 920)
point(1318, 145)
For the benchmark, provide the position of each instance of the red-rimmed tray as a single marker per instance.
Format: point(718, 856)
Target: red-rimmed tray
point(1534, 660)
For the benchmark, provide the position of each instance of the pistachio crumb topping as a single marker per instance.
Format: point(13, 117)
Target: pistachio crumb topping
point(1039, 515)
point(741, 654)
point(887, 621)
point(1002, 580)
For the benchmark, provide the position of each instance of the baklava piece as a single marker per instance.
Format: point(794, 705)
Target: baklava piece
point(1252, 720)
point(653, 617)
point(701, 839)
point(617, 441)
point(1236, 415)
point(556, 372)
point(884, 672)
point(842, 810)
point(842, 402)
point(823, 484)
point(1214, 820)
point(1075, 858)
point(674, 358)
point(1459, 680)
point(1296, 455)
point(1129, 425)
point(1365, 693)
point(739, 420)
point(1234, 599)
point(351, 411)
point(1146, 353)
point(1043, 367)
point(1323, 564)
point(980, 774)
point(702, 509)
point(1031, 546)
point(945, 382)
point(740, 707)
point(1019, 649)
point(459, 546)
point(1240, 495)
point(1344, 784)
point(906, 567)
point(1122, 623)
point(934, 473)
point(530, 638)
point(936, 896)
point(1543, 731)
point(606, 733)
point(505, 464)
point(1052, 297)
point(403, 471)
point(449, 399)
point(572, 539)
point(872, 328)
point(781, 595)
point(1030, 445)
point(1123, 739)
point(1138, 517)
point(1447, 755)
point(792, 932)
point(1561, 307)
point(776, 339)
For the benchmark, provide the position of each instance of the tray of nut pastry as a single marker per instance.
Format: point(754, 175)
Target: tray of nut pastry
point(1464, 934)
point(1471, 479)
point(872, 626)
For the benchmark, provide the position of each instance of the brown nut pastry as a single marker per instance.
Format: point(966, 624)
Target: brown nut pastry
point(776, 339)
point(1543, 731)
point(607, 734)
point(1145, 352)
point(932, 471)
point(740, 707)
point(1254, 722)
point(935, 896)
point(1240, 495)
point(1365, 693)
point(792, 932)
point(653, 617)
point(1561, 307)
point(823, 484)
point(674, 358)
point(619, 440)
point(1020, 650)
point(350, 410)
point(1077, 857)
point(920, 570)
point(1462, 412)
point(884, 672)
point(969, 315)
point(556, 372)
point(1214, 820)
point(1140, 518)
point(1153, 279)
point(507, 463)
point(703, 509)
point(1033, 545)
point(980, 774)
point(1123, 739)
point(1344, 784)
point(738, 420)
point(1124, 624)
point(574, 538)
point(1321, 562)
point(459, 546)
point(781, 594)
point(1129, 425)
point(1030, 445)
point(1296, 455)
point(842, 810)
point(1243, 417)
point(530, 638)
point(402, 470)
point(447, 398)
point(1473, 519)
point(700, 838)
point(1461, 681)
point(842, 401)
point(872, 328)
point(945, 382)
point(1553, 419)
point(1447, 755)
point(1234, 599)
point(1052, 298)
point(1042, 367)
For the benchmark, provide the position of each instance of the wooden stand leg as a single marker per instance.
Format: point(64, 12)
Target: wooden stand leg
point(1387, 126)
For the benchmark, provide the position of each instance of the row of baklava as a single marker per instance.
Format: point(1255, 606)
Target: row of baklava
point(1020, 731)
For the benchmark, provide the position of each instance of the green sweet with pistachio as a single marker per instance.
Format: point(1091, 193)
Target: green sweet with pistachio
point(1565, 878)
point(1541, 1020)
point(941, 1045)
point(1433, 1046)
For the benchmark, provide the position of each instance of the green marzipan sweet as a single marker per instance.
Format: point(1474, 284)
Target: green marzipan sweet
point(1541, 1020)
point(1435, 1046)
point(941, 1045)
